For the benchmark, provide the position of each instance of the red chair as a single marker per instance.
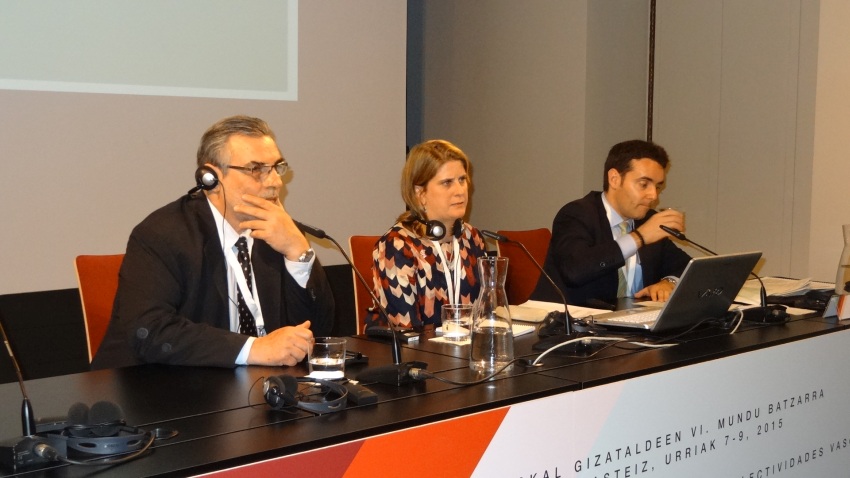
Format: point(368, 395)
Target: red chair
point(522, 273)
point(361, 248)
point(97, 277)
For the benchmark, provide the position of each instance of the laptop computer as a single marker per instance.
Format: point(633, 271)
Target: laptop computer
point(706, 290)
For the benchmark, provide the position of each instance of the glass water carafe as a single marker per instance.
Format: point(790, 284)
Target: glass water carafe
point(842, 277)
point(492, 342)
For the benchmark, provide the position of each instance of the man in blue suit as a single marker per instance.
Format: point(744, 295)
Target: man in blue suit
point(609, 244)
point(187, 293)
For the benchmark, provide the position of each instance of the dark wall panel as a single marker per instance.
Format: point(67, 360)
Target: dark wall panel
point(46, 332)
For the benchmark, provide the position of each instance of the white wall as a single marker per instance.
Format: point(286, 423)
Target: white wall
point(830, 207)
point(536, 92)
point(733, 109)
point(80, 170)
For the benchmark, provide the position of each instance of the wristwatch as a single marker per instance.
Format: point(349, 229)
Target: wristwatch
point(307, 255)
point(671, 279)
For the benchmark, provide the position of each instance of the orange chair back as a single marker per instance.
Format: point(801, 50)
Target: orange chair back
point(522, 273)
point(97, 277)
point(361, 255)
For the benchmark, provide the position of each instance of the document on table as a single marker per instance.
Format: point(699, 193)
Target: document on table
point(517, 329)
point(546, 307)
point(751, 292)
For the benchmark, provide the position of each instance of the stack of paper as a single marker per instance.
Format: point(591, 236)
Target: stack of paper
point(517, 329)
point(751, 292)
point(575, 311)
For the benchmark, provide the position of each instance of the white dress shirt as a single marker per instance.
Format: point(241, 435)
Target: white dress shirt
point(228, 236)
point(628, 247)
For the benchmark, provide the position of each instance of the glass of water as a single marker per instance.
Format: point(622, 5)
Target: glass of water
point(327, 358)
point(457, 321)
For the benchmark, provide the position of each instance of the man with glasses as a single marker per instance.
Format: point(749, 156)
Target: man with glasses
point(222, 276)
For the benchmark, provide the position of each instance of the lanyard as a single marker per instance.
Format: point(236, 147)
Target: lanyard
point(236, 269)
point(452, 270)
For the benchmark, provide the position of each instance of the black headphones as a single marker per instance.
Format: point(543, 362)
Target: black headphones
point(323, 396)
point(205, 179)
point(124, 440)
point(99, 430)
point(436, 230)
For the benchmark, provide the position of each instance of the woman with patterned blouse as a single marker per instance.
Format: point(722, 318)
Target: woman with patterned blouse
point(414, 275)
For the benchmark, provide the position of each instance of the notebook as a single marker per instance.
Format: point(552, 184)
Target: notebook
point(517, 329)
point(706, 290)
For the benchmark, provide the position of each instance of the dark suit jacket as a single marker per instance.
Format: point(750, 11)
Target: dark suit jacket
point(172, 303)
point(583, 257)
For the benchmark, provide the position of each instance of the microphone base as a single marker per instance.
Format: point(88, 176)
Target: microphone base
point(27, 418)
point(769, 314)
point(17, 454)
point(395, 374)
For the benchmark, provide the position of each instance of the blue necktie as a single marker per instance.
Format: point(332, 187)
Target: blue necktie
point(623, 284)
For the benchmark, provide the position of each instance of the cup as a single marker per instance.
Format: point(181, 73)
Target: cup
point(678, 209)
point(327, 358)
point(457, 321)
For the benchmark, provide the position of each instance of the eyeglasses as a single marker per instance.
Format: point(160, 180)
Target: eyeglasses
point(261, 171)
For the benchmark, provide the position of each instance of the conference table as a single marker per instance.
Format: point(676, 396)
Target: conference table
point(764, 401)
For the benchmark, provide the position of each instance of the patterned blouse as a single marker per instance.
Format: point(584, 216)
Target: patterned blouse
point(410, 279)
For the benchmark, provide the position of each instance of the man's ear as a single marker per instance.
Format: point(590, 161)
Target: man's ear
point(614, 178)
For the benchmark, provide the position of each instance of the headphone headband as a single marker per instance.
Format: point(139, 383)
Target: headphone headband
point(99, 430)
point(280, 391)
point(126, 439)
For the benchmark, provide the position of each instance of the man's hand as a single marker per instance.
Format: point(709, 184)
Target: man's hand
point(651, 229)
point(658, 292)
point(273, 225)
point(284, 346)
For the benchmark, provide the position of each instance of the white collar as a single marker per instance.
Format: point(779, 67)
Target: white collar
point(228, 236)
point(614, 219)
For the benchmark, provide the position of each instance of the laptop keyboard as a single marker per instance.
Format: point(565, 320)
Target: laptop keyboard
point(638, 317)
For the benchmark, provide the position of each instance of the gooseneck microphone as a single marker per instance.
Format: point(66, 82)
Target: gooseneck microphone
point(679, 235)
point(764, 313)
point(20, 453)
point(320, 234)
point(42, 444)
point(568, 334)
point(396, 374)
point(27, 417)
point(502, 238)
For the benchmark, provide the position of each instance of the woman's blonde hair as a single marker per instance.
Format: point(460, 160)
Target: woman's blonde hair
point(423, 162)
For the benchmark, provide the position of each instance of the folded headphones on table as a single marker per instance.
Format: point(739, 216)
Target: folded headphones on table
point(323, 396)
point(99, 430)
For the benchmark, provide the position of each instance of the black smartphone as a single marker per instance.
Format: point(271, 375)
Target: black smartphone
point(405, 336)
point(355, 357)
